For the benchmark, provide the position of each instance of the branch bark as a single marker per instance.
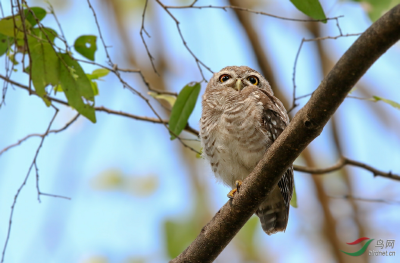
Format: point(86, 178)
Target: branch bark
point(305, 127)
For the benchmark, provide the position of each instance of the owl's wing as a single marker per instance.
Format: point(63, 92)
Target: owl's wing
point(274, 121)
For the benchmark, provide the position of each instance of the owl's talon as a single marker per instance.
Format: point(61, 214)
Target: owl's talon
point(238, 183)
point(231, 193)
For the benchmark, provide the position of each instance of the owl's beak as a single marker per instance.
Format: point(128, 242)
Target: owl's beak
point(239, 85)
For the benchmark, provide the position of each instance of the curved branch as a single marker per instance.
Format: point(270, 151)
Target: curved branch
point(305, 127)
point(40, 135)
point(351, 197)
point(188, 128)
point(341, 163)
point(251, 11)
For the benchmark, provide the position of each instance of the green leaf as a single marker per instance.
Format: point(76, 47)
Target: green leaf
point(98, 73)
point(76, 85)
point(390, 102)
point(7, 27)
point(163, 97)
point(42, 32)
point(101, 72)
point(311, 8)
point(57, 88)
point(44, 68)
point(5, 43)
point(94, 88)
point(39, 12)
point(86, 46)
point(293, 201)
point(183, 108)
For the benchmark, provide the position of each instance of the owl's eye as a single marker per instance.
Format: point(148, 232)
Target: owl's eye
point(253, 80)
point(224, 78)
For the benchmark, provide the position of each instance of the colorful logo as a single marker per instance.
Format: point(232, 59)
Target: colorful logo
point(362, 250)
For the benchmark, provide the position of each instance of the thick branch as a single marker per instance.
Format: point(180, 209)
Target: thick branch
point(305, 127)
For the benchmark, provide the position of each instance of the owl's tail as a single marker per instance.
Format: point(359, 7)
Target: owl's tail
point(273, 215)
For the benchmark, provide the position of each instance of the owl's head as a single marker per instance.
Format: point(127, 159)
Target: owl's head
point(237, 79)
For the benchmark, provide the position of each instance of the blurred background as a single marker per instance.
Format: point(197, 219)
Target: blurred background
point(137, 197)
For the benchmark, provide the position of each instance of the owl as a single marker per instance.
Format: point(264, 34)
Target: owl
point(240, 120)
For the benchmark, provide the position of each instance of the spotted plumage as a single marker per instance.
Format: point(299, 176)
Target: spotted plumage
point(241, 118)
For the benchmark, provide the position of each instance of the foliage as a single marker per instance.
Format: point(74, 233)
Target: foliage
point(51, 65)
point(312, 8)
point(376, 8)
point(86, 46)
point(390, 102)
point(167, 101)
point(183, 108)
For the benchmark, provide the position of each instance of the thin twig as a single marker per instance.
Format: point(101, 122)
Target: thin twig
point(23, 184)
point(63, 38)
point(7, 63)
point(114, 68)
point(198, 61)
point(40, 135)
point(56, 196)
point(142, 29)
point(188, 128)
point(389, 202)
point(252, 11)
point(359, 98)
point(294, 99)
point(37, 182)
point(22, 15)
point(100, 34)
point(39, 193)
point(345, 161)
point(126, 85)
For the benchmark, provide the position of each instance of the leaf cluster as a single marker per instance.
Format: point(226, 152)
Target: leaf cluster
point(50, 65)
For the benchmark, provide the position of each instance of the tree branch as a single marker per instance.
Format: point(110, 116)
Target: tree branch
point(238, 8)
point(188, 128)
point(305, 127)
point(40, 135)
point(341, 163)
point(350, 197)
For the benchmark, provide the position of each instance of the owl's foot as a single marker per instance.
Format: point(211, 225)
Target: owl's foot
point(233, 191)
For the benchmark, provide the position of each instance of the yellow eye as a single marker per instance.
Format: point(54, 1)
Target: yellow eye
point(253, 80)
point(224, 78)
